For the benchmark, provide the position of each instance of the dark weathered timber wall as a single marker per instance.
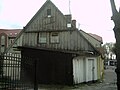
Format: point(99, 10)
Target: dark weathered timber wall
point(52, 67)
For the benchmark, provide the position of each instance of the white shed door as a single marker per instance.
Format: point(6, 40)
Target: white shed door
point(78, 70)
point(90, 69)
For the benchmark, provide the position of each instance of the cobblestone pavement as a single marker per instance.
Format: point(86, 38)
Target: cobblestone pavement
point(109, 83)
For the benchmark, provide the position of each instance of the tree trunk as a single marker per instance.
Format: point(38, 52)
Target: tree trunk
point(116, 20)
point(117, 36)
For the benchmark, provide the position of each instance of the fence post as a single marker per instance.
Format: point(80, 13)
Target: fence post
point(1, 71)
point(35, 76)
point(1, 65)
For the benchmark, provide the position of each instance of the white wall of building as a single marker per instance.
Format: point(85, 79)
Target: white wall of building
point(84, 69)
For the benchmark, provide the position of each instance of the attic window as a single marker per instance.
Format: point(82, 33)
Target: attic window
point(69, 25)
point(48, 12)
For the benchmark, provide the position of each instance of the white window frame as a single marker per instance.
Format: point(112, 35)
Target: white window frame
point(42, 38)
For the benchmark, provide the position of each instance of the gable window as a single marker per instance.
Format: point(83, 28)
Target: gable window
point(69, 25)
point(42, 38)
point(54, 37)
point(48, 12)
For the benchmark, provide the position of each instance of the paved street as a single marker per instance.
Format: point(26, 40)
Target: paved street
point(109, 83)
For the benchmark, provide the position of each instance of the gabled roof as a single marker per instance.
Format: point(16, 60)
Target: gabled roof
point(40, 10)
point(10, 32)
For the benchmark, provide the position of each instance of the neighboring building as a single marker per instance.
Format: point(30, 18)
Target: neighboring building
point(112, 62)
point(7, 37)
point(64, 54)
point(97, 42)
point(110, 54)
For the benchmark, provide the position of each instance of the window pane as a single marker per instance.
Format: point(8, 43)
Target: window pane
point(42, 38)
point(2, 40)
point(49, 12)
point(69, 25)
point(2, 49)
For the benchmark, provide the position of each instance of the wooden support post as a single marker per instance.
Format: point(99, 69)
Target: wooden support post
point(35, 76)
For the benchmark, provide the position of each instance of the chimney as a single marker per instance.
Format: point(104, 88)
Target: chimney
point(74, 23)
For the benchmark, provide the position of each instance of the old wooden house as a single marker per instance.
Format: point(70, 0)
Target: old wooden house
point(64, 55)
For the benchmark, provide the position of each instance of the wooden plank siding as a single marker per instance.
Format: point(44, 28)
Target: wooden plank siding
point(53, 67)
point(41, 22)
point(68, 40)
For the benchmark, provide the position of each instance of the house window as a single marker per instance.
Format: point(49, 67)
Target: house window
point(48, 12)
point(69, 25)
point(2, 49)
point(54, 37)
point(11, 41)
point(42, 38)
point(2, 43)
point(2, 40)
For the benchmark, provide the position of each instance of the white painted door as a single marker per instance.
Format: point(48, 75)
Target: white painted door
point(78, 70)
point(91, 69)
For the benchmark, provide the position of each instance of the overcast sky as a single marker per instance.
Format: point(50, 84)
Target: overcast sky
point(93, 16)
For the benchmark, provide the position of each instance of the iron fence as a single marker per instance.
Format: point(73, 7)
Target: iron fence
point(13, 73)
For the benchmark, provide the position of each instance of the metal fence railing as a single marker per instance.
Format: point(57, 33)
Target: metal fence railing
point(12, 69)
